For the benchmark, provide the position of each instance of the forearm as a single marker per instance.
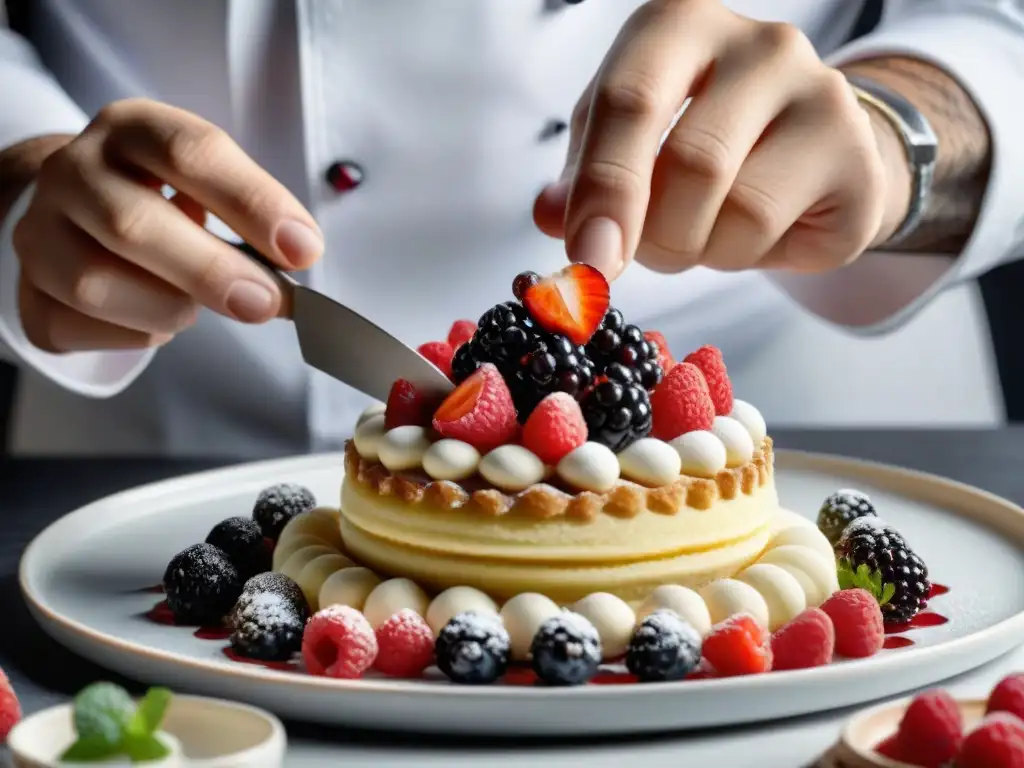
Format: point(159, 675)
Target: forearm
point(20, 164)
point(962, 168)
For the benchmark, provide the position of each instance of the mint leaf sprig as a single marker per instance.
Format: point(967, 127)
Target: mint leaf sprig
point(110, 724)
point(864, 578)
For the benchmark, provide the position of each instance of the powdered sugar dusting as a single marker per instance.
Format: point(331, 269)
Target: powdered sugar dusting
point(663, 630)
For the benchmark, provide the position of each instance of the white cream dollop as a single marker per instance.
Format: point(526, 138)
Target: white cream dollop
point(286, 547)
point(403, 448)
point(590, 467)
point(522, 616)
point(819, 573)
point(512, 468)
point(701, 453)
point(368, 435)
point(682, 601)
point(390, 597)
point(651, 462)
point(751, 419)
point(349, 586)
point(781, 592)
point(449, 459)
point(456, 600)
point(321, 523)
point(313, 575)
point(803, 536)
point(374, 409)
point(613, 619)
point(301, 557)
point(739, 447)
point(727, 597)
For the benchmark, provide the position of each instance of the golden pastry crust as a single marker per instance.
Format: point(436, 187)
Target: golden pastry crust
point(543, 501)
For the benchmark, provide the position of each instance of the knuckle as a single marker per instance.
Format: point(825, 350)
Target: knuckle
point(785, 39)
point(757, 206)
point(190, 149)
point(212, 283)
point(117, 112)
point(90, 289)
point(632, 95)
point(835, 93)
point(608, 177)
point(700, 151)
point(25, 239)
point(126, 225)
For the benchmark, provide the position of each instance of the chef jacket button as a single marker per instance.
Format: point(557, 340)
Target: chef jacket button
point(344, 175)
point(553, 128)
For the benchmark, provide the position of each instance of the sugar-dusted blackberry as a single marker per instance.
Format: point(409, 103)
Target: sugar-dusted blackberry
point(241, 539)
point(617, 411)
point(566, 650)
point(504, 335)
point(875, 557)
point(663, 647)
point(273, 583)
point(554, 364)
point(266, 627)
point(473, 648)
point(617, 342)
point(523, 281)
point(278, 504)
point(840, 509)
point(201, 584)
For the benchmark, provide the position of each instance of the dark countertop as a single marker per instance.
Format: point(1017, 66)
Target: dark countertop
point(35, 492)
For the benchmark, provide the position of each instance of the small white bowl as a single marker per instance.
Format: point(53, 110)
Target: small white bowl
point(202, 732)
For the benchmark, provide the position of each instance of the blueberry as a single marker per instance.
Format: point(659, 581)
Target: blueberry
point(278, 504)
point(473, 649)
point(566, 650)
point(274, 584)
point(664, 647)
point(266, 626)
point(201, 584)
point(242, 541)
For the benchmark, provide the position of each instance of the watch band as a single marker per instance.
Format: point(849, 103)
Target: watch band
point(919, 142)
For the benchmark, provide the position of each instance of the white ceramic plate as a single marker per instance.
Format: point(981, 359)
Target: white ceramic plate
point(82, 575)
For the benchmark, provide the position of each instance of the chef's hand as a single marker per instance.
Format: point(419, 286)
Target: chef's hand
point(774, 164)
point(107, 262)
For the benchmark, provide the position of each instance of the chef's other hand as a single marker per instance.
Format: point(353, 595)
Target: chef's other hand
point(773, 164)
point(107, 262)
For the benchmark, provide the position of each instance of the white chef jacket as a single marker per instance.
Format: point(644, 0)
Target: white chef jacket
point(450, 111)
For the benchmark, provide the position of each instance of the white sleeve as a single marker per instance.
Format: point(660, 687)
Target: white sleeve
point(981, 44)
point(35, 105)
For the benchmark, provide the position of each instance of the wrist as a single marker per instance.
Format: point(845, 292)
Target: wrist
point(20, 163)
point(898, 175)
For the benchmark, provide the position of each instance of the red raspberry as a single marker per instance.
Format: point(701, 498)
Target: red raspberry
point(10, 709)
point(806, 641)
point(338, 642)
point(461, 332)
point(664, 355)
point(858, 623)
point(931, 730)
point(480, 411)
point(406, 645)
point(709, 360)
point(406, 407)
point(892, 748)
point(997, 743)
point(738, 646)
point(440, 353)
point(1008, 696)
point(555, 427)
point(681, 403)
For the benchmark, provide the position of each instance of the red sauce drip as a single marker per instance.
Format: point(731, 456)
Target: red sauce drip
point(212, 633)
point(613, 678)
point(897, 641)
point(156, 589)
point(161, 614)
point(938, 590)
point(519, 676)
point(283, 666)
point(923, 619)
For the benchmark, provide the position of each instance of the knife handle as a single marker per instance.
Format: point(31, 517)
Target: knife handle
point(286, 282)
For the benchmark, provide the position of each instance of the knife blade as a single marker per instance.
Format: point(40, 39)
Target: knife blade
point(347, 346)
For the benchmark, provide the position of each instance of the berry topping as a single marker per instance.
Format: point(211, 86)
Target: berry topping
point(338, 642)
point(201, 585)
point(266, 626)
point(276, 584)
point(858, 623)
point(738, 646)
point(998, 742)
point(405, 407)
point(10, 708)
point(681, 403)
point(554, 365)
point(709, 360)
point(440, 353)
point(276, 505)
point(806, 641)
point(931, 730)
point(875, 557)
point(1008, 696)
point(618, 410)
point(523, 281)
point(664, 355)
point(479, 412)
point(555, 428)
point(473, 648)
point(242, 541)
point(461, 332)
point(616, 342)
point(405, 645)
point(572, 302)
point(663, 647)
point(840, 509)
point(566, 650)
point(504, 336)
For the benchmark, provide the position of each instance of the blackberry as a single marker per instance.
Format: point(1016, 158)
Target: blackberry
point(523, 281)
point(271, 583)
point(504, 335)
point(278, 504)
point(664, 647)
point(473, 649)
point(566, 650)
point(553, 364)
point(266, 627)
point(242, 541)
point(616, 342)
point(201, 584)
point(840, 509)
point(873, 556)
point(617, 411)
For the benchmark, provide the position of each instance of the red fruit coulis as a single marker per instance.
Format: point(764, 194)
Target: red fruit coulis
point(161, 614)
point(895, 637)
point(282, 666)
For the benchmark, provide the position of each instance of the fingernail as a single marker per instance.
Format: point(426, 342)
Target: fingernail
point(298, 243)
point(599, 244)
point(250, 302)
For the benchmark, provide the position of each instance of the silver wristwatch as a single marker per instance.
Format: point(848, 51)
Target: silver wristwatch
point(919, 141)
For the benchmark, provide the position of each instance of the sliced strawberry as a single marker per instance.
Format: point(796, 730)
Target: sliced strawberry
point(461, 332)
point(665, 359)
point(709, 360)
point(479, 412)
point(555, 428)
point(440, 353)
point(681, 403)
point(572, 302)
point(406, 407)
